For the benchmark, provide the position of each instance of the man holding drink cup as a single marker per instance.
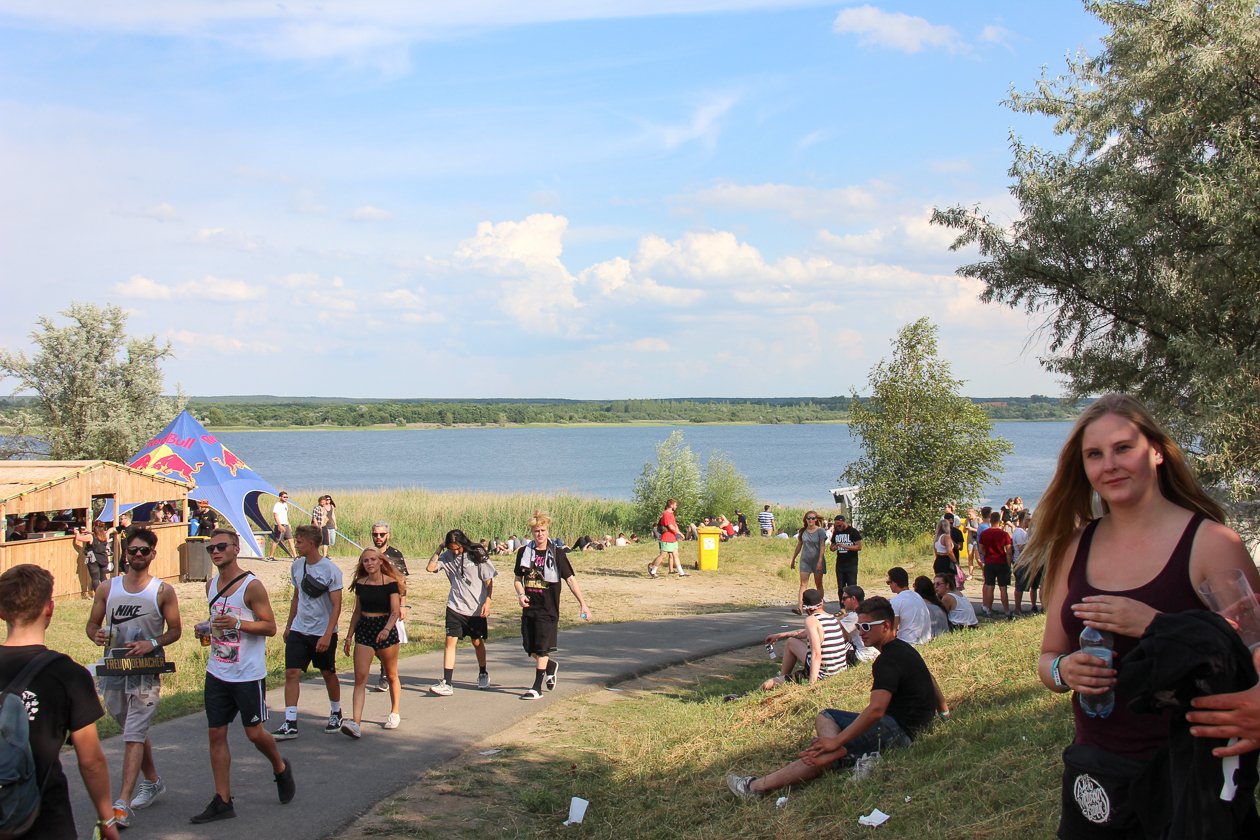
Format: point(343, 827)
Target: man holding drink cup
point(1235, 715)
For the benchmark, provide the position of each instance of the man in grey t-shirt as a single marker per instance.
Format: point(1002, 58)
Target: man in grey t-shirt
point(471, 574)
point(311, 633)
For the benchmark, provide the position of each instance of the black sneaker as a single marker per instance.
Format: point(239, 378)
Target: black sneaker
point(285, 785)
point(216, 810)
point(287, 731)
point(552, 667)
point(334, 723)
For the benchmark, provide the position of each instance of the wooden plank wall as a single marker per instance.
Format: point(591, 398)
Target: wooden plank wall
point(64, 558)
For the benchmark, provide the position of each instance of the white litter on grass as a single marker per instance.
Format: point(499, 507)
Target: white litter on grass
point(780, 802)
point(874, 818)
point(610, 688)
point(490, 752)
point(907, 799)
point(577, 810)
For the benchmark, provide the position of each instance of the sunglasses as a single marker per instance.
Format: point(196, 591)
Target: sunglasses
point(213, 547)
point(140, 551)
point(865, 626)
point(379, 534)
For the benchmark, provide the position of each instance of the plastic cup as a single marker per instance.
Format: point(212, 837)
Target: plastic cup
point(577, 810)
point(1229, 595)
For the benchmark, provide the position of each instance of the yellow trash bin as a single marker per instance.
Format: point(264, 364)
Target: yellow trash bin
point(710, 539)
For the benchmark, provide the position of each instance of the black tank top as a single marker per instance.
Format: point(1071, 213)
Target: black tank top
point(1124, 732)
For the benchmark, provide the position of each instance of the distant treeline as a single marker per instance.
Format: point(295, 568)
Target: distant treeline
point(273, 412)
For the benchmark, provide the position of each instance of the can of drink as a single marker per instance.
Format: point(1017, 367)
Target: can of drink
point(770, 650)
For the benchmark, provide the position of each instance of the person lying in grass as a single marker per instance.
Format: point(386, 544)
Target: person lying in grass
point(904, 697)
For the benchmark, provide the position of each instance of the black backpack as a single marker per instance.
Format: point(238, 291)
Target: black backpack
point(19, 793)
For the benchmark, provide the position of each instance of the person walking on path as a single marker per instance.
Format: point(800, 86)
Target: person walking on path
point(380, 539)
point(540, 566)
point(765, 521)
point(281, 531)
point(811, 547)
point(59, 700)
point(821, 646)
point(310, 636)
point(377, 588)
point(324, 517)
point(846, 542)
point(240, 622)
point(670, 535)
point(471, 575)
point(140, 613)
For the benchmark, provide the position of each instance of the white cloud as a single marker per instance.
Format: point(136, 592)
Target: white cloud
point(804, 203)
point(162, 212)
point(704, 125)
point(410, 305)
point(368, 213)
point(811, 139)
point(139, 286)
point(223, 289)
point(220, 343)
point(1000, 35)
point(650, 345)
point(224, 238)
point(896, 30)
point(536, 288)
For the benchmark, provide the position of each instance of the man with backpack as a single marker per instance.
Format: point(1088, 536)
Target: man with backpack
point(52, 699)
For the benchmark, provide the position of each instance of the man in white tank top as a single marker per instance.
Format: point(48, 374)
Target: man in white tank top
point(241, 620)
point(140, 613)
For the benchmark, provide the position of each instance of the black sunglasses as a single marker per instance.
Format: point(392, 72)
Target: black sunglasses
point(139, 551)
point(212, 547)
point(379, 534)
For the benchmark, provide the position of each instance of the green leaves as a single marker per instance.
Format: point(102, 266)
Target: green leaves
point(923, 443)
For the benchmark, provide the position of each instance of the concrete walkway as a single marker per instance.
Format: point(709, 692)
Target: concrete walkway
point(339, 779)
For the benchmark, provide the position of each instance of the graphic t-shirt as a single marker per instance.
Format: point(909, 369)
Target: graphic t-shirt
point(396, 557)
point(468, 581)
point(313, 613)
point(541, 573)
point(669, 527)
point(901, 671)
point(842, 540)
point(60, 700)
point(993, 543)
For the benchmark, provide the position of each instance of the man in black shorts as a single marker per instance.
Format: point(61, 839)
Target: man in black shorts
point(240, 622)
point(310, 637)
point(471, 575)
point(540, 566)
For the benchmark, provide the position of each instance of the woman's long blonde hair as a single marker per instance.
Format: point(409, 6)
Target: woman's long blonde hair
point(1069, 500)
point(388, 569)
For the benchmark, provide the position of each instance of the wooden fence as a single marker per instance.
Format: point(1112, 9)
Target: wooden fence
point(64, 558)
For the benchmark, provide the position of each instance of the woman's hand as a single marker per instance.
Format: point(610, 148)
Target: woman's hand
point(345, 649)
point(383, 635)
point(1115, 614)
point(1086, 674)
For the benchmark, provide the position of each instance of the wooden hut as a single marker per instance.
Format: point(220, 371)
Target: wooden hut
point(50, 486)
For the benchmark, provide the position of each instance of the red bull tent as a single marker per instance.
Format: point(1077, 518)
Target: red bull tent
point(185, 451)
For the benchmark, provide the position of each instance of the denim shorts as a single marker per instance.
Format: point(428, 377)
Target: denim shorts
point(887, 734)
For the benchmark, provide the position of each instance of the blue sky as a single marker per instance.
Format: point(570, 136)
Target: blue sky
point(554, 199)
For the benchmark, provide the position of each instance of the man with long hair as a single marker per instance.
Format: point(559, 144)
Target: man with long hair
point(471, 575)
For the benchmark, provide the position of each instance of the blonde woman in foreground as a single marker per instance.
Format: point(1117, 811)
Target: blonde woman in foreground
point(1159, 536)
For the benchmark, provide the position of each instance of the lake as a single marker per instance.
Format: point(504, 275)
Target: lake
point(786, 464)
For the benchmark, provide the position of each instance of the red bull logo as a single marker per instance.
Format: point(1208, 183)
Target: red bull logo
point(171, 439)
point(229, 461)
point(164, 461)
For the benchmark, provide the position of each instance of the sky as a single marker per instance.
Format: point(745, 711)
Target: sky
point(588, 200)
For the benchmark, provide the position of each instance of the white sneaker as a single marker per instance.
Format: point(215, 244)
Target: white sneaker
point(483, 681)
point(146, 792)
point(441, 688)
point(349, 727)
point(392, 721)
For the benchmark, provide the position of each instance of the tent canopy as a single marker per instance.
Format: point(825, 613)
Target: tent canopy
point(185, 451)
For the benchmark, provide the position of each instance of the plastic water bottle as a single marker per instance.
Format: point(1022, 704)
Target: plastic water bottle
point(1098, 643)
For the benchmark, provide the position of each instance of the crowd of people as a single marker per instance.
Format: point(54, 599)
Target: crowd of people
point(1134, 572)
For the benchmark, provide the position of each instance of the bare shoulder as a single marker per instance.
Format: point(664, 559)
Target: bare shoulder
point(1217, 548)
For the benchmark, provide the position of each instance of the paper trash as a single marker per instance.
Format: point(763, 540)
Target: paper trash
point(490, 752)
point(577, 810)
point(876, 817)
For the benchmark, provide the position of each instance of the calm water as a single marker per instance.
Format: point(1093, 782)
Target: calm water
point(787, 464)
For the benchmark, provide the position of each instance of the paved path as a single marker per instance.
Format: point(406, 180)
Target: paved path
point(339, 779)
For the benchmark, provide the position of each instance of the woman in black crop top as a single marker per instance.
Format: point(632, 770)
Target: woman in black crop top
point(373, 627)
point(1159, 536)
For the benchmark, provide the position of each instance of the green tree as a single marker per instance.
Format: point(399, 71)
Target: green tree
point(97, 391)
point(923, 444)
point(1139, 244)
point(725, 489)
point(675, 475)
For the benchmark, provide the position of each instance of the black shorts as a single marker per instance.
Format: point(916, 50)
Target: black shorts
point(369, 627)
point(224, 699)
point(538, 633)
point(1021, 579)
point(472, 626)
point(997, 573)
point(299, 652)
point(943, 564)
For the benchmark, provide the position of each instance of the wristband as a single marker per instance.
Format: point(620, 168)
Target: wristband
point(154, 643)
point(238, 622)
point(1054, 672)
point(107, 823)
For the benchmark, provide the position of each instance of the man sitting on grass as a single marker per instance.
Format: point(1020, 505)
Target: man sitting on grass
point(904, 696)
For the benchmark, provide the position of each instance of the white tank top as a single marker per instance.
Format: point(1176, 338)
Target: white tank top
point(963, 614)
point(235, 656)
point(940, 545)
